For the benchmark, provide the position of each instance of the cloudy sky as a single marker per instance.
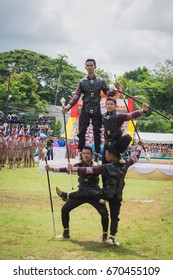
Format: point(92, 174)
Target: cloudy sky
point(120, 34)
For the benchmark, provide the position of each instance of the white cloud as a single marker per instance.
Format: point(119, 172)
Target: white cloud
point(121, 35)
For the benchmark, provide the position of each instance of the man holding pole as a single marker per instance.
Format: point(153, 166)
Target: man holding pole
point(112, 123)
point(86, 182)
point(115, 173)
point(91, 87)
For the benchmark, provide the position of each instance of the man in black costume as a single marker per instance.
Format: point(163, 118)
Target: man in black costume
point(112, 122)
point(115, 173)
point(91, 87)
point(86, 182)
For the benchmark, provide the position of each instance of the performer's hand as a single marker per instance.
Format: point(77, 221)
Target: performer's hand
point(145, 107)
point(118, 85)
point(140, 142)
point(69, 166)
point(48, 168)
point(112, 87)
point(64, 110)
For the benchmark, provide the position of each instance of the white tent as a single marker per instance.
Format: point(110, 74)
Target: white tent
point(149, 137)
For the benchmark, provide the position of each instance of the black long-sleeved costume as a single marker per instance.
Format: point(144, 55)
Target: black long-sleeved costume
point(91, 89)
point(115, 174)
point(86, 182)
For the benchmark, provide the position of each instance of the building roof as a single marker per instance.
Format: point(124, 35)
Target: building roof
point(150, 137)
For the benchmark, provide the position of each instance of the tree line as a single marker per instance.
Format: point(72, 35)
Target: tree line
point(29, 81)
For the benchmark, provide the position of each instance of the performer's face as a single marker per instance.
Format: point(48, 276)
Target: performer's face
point(90, 67)
point(86, 155)
point(110, 106)
point(109, 156)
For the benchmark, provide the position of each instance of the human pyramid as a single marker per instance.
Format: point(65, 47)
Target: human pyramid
point(113, 168)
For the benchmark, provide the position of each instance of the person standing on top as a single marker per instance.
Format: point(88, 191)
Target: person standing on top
point(91, 87)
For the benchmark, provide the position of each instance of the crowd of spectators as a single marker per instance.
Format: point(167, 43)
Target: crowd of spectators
point(15, 119)
point(16, 124)
point(159, 150)
point(153, 149)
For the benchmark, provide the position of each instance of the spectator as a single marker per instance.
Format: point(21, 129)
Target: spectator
point(49, 147)
point(61, 141)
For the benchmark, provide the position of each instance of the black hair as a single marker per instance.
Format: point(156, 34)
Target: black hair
point(112, 150)
point(87, 148)
point(90, 59)
point(111, 99)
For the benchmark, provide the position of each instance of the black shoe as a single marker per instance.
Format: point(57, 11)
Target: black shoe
point(61, 194)
point(65, 234)
point(104, 237)
point(96, 157)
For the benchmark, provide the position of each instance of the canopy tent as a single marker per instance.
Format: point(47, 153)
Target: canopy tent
point(150, 171)
point(149, 137)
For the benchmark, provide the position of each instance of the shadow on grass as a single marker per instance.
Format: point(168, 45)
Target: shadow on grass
point(105, 249)
point(100, 247)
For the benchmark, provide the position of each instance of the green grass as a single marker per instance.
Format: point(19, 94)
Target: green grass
point(145, 228)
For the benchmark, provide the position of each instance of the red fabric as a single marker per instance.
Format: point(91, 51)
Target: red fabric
point(75, 110)
point(131, 104)
point(71, 148)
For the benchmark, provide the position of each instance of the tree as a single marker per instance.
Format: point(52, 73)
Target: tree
point(22, 95)
point(104, 75)
point(135, 90)
point(57, 128)
point(164, 74)
point(163, 71)
point(45, 71)
point(155, 123)
point(156, 86)
point(29, 80)
point(68, 80)
point(138, 75)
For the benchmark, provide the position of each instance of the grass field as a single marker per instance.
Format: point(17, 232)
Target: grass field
point(145, 228)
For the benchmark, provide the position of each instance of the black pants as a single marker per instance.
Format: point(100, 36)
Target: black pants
point(114, 207)
point(73, 203)
point(50, 154)
point(121, 145)
point(84, 121)
point(114, 210)
point(86, 192)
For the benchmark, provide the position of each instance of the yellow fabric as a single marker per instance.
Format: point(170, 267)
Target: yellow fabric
point(131, 129)
point(69, 126)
